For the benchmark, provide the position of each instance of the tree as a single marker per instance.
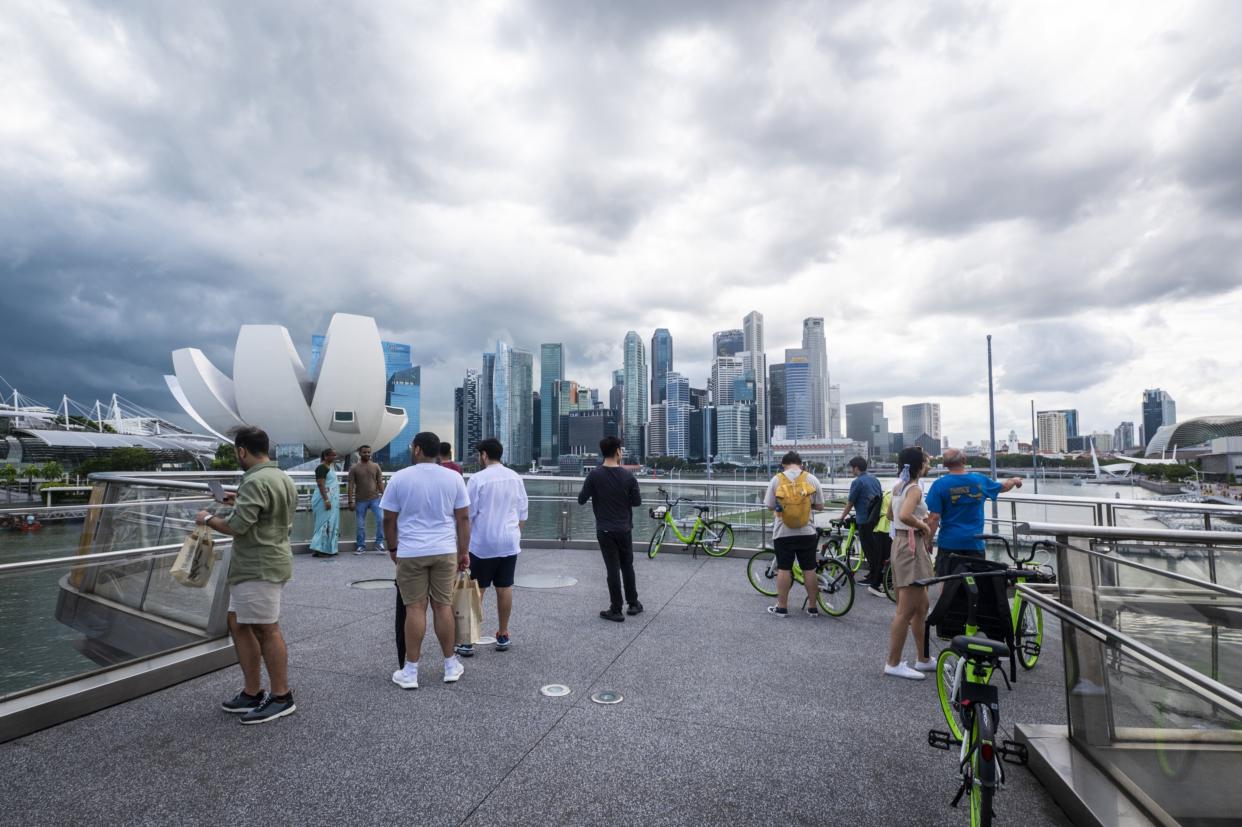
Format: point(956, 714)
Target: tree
point(52, 471)
point(226, 459)
point(9, 474)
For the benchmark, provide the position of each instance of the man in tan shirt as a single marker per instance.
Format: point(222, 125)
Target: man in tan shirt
point(366, 486)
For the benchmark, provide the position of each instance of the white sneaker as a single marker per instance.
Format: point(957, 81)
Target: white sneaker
point(901, 670)
point(407, 677)
point(873, 590)
point(453, 669)
point(925, 665)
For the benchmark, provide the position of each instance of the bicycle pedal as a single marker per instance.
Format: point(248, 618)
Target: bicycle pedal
point(941, 740)
point(1012, 752)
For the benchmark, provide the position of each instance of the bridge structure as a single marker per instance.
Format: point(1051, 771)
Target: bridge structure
point(111, 675)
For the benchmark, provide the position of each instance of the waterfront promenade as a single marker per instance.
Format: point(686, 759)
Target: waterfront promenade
point(729, 717)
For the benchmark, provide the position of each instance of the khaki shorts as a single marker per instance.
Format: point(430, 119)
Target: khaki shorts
point(256, 601)
point(431, 576)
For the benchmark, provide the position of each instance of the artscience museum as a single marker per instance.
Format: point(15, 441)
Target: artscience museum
point(342, 406)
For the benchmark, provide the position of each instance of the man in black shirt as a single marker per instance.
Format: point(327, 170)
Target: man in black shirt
point(613, 492)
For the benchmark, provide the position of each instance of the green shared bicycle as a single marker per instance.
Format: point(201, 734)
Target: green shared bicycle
point(970, 703)
point(715, 537)
point(843, 542)
point(836, 582)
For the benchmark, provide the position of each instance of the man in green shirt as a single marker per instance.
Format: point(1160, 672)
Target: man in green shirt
point(261, 564)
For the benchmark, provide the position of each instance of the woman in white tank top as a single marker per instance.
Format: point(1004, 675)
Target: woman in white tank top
point(911, 560)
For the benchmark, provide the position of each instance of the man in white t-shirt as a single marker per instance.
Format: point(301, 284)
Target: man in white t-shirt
point(498, 511)
point(426, 512)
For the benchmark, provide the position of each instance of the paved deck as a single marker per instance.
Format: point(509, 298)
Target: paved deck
point(730, 716)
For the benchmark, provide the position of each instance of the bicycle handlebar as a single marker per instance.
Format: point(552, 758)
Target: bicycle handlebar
point(1013, 574)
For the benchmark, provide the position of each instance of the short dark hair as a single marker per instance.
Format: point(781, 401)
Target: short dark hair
point(859, 463)
point(254, 440)
point(364, 447)
point(792, 458)
point(324, 453)
point(609, 446)
point(427, 442)
point(491, 447)
point(446, 450)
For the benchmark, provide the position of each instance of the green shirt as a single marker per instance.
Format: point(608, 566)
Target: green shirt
point(263, 520)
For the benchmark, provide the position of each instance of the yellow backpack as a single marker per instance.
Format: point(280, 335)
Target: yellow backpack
point(793, 498)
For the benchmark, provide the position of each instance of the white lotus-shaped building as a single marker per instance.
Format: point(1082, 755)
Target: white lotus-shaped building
point(343, 407)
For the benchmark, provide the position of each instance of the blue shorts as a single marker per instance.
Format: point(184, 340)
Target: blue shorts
point(493, 571)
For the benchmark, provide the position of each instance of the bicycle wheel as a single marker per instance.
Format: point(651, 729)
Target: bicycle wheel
point(889, 588)
point(980, 796)
point(761, 572)
point(948, 691)
point(717, 538)
point(854, 554)
point(836, 588)
point(657, 539)
point(1029, 634)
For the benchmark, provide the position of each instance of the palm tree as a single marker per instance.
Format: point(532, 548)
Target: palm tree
point(9, 474)
point(30, 472)
point(52, 471)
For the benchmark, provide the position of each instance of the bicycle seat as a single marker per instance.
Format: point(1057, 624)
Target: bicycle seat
point(979, 647)
point(703, 509)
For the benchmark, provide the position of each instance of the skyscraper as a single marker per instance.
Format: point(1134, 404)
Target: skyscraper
point(634, 410)
point(735, 426)
point(467, 419)
point(487, 396)
point(919, 419)
point(866, 422)
point(403, 391)
point(1052, 430)
point(1158, 409)
point(661, 362)
point(677, 416)
point(616, 394)
point(657, 431)
point(728, 343)
point(1123, 437)
point(757, 366)
point(725, 369)
point(816, 347)
point(513, 403)
point(1071, 422)
point(551, 370)
point(798, 402)
point(834, 411)
point(776, 396)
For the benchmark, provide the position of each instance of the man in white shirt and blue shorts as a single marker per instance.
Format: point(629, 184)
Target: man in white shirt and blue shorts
point(426, 511)
point(498, 512)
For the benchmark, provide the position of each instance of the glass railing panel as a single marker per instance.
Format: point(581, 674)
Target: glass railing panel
point(1159, 737)
point(65, 620)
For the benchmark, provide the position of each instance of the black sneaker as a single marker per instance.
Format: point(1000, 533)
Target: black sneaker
point(813, 612)
point(466, 650)
point(613, 615)
point(242, 702)
point(273, 707)
point(635, 608)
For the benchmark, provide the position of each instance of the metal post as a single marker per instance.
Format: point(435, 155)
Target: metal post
point(1034, 456)
point(992, 431)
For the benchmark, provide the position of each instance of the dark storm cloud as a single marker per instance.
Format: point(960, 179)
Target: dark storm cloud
point(1059, 356)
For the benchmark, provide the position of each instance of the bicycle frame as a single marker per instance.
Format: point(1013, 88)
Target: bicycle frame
point(696, 530)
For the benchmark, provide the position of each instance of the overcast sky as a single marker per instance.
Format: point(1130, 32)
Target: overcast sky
point(1065, 176)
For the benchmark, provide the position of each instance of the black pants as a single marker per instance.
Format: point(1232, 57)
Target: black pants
point(618, 550)
point(871, 552)
point(885, 545)
point(400, 631)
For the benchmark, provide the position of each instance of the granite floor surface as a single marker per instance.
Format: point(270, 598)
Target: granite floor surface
point(729, 716)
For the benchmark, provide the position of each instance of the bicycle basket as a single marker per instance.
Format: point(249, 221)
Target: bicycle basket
point(658, 512)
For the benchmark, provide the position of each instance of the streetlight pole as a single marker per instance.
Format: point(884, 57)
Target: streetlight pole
point(1034, 456)
point(992, 427)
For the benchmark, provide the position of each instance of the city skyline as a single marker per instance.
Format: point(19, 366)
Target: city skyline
point(874, 165)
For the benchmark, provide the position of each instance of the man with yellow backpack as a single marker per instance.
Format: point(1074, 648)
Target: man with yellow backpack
point(792, 495)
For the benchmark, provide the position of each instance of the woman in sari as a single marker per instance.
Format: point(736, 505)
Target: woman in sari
point(326, 506)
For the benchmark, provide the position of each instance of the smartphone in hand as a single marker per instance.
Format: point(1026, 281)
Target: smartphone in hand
point(217, 490)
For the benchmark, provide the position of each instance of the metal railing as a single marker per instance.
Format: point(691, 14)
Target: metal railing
point(1153, 666)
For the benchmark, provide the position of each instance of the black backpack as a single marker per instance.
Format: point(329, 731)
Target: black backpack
point(991, 612)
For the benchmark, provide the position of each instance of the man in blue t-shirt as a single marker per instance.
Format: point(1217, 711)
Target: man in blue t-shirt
point(864, 491)
point(956, 505)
